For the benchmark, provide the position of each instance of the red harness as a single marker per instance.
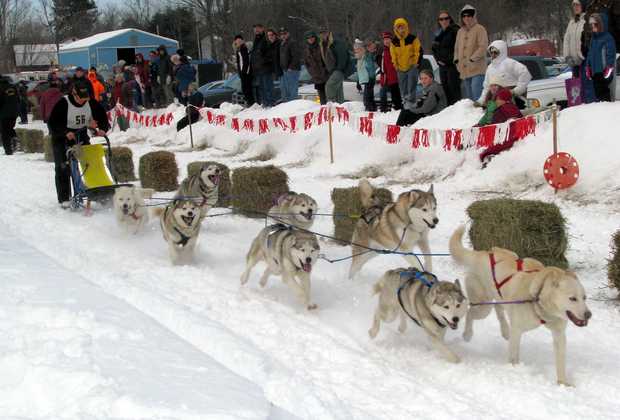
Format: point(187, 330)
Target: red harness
point(498, 286)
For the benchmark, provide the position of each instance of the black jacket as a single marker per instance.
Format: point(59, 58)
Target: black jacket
point(84, 80)
point(315, 64)
point(57, 122)
point(164, 67)
point(443, 45)
point(9, 100)
point(262, 57)
point(290, 57)
point(243, 60)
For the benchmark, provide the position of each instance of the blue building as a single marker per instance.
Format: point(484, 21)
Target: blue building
point(104, 50)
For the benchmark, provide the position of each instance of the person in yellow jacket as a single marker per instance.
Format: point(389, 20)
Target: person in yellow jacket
point(406, 52)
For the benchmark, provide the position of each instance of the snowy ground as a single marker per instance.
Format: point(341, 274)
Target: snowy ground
point(180, 324)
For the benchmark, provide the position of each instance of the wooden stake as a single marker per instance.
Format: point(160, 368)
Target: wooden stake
point(331, 138)
point(555, 132)
point(189, 120)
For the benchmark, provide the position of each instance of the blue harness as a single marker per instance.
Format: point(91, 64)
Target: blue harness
point(411, 276)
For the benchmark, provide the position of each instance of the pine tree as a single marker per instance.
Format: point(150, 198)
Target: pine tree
point(74, 18)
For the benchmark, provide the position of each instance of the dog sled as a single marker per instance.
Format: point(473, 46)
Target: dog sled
point(92, 178)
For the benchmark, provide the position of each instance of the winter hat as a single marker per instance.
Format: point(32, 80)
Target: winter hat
point(468, 10)
point(583, 3)
point(504, 95)
point(386, 34)
point(358, 43)
point(310, 34)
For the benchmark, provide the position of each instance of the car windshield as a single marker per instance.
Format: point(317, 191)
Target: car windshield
point(232, 82)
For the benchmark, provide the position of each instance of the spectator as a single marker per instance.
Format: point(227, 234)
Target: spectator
point(164, 77)
point(273, 43)
point(366, 72)
point(195, 101)
point(98, 88)
point(515, 75)
point(601, 60)
point(575, 50)
point(80, 76)
point(389, 78)
point(406, 53)
point(117, 89)
point(261, 59)
point(433, 100)
point(49, 98)
point(506, 110)
point(128, 92)
point(610, 10)
point(495, 84)
point(244, 69)
point(315, 64)
point(185, 75)
point(9, 108)
point(336, 58)
point(290, 64)
point(443, 51)
point(153, 75)
point(470, 53)
point(24, 103)
point(143, 77)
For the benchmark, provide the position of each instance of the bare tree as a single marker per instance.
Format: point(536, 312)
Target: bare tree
point(12, 14)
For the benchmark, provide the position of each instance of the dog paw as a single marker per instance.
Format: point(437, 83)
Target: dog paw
point(312, 306)
point(467, 335)
point(566, 383)
point(402, 329)
point(372, 333)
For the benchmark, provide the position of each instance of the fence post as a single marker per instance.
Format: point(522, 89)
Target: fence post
point(189, 119)
point(331, 137)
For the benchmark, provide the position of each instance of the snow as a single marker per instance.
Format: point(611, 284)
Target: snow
point(104, 36)
point(285, 360)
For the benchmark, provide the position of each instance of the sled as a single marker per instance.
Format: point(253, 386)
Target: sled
point(91, 175)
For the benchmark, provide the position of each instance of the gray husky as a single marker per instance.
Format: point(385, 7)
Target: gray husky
point(289, 253)
point(295, 210)
point(203, 187)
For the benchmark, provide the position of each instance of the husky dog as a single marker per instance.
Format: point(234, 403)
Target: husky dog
point(289, 253)
point(295, 210)
point(131, 212)
point(551, 296)
point(180, 224)
point(203, 186)
point(397, 226)
point(433, 305)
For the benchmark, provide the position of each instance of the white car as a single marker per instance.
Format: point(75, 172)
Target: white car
point(351, 93)
point(542, 93)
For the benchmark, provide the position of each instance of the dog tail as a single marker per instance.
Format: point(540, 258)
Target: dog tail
point(460, 254)
point(377, 288)
point(158, 211)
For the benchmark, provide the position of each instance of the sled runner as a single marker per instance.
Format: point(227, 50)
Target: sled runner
point(91, 174)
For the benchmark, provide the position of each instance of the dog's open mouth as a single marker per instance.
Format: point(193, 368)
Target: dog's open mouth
point(578, 322)
point(188, 220)
point(215, 179)
point(307, 267)
point(452, 325)
point(308, 215)
point(430, 225)
point(126, 211)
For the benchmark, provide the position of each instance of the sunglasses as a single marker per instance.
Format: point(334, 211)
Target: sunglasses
point(493, 51)
point(443, 18)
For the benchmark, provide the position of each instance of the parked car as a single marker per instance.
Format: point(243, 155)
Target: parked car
point(542, 93)
point(218, 92)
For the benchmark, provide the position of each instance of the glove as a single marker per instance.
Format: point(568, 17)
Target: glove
point(168, 79)
point(608, 73)
point(158, 80)
point(589, 72)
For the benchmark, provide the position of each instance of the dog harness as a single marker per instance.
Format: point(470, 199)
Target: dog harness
point(499, 285)
point(412, 276)
point(273, 229)
point(184, 239)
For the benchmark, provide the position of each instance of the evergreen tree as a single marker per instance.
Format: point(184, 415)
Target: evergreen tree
point(74, 18)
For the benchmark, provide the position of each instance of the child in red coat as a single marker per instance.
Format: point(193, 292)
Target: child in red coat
point(506, 110)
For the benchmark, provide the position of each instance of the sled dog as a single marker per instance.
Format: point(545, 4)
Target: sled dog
point(180, 224)
point(288, 252)
point(129, 208)
point(433, 305)
point(295, 210)
point(552, 296)
point(203, 187)
point(396, 226)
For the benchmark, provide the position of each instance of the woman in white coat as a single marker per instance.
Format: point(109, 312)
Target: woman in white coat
point(515, 75)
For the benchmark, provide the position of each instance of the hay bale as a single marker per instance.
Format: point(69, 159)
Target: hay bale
point(32, 142)
point(532, 229)
point(256, 189)
point(224, 190)
point(159, 170)
point(613, 264)
point(22, 133)
point(48, 152)
point(347, 202)
point(122, 164)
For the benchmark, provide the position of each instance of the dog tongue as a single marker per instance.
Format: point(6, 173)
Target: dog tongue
point(307, 267)
point(215, 179)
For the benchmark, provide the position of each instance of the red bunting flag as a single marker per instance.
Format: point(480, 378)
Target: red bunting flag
point(420, 138)
point(366, 126)
point(392, 134)
point(279, 122)
point(322, 115)
point(235, 124)
point(154, 120)
point(293, 121)
point(210, 117)
point(263, 126)
point(220, 119)
point(453, 139)
point(248, 125)
point(141, 119)
point(523, 127)
point(135, 117)
point(308, 118)
point(486, 136)
point(342, 113)
point(371, 115)
point(169, 118)
point(162, 120)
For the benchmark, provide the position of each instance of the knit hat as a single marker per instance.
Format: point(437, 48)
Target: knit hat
point(358, 43)
point(583, 3)
point(310, 34)
point(468, 10)
point(504, 95)
point(386, 34)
